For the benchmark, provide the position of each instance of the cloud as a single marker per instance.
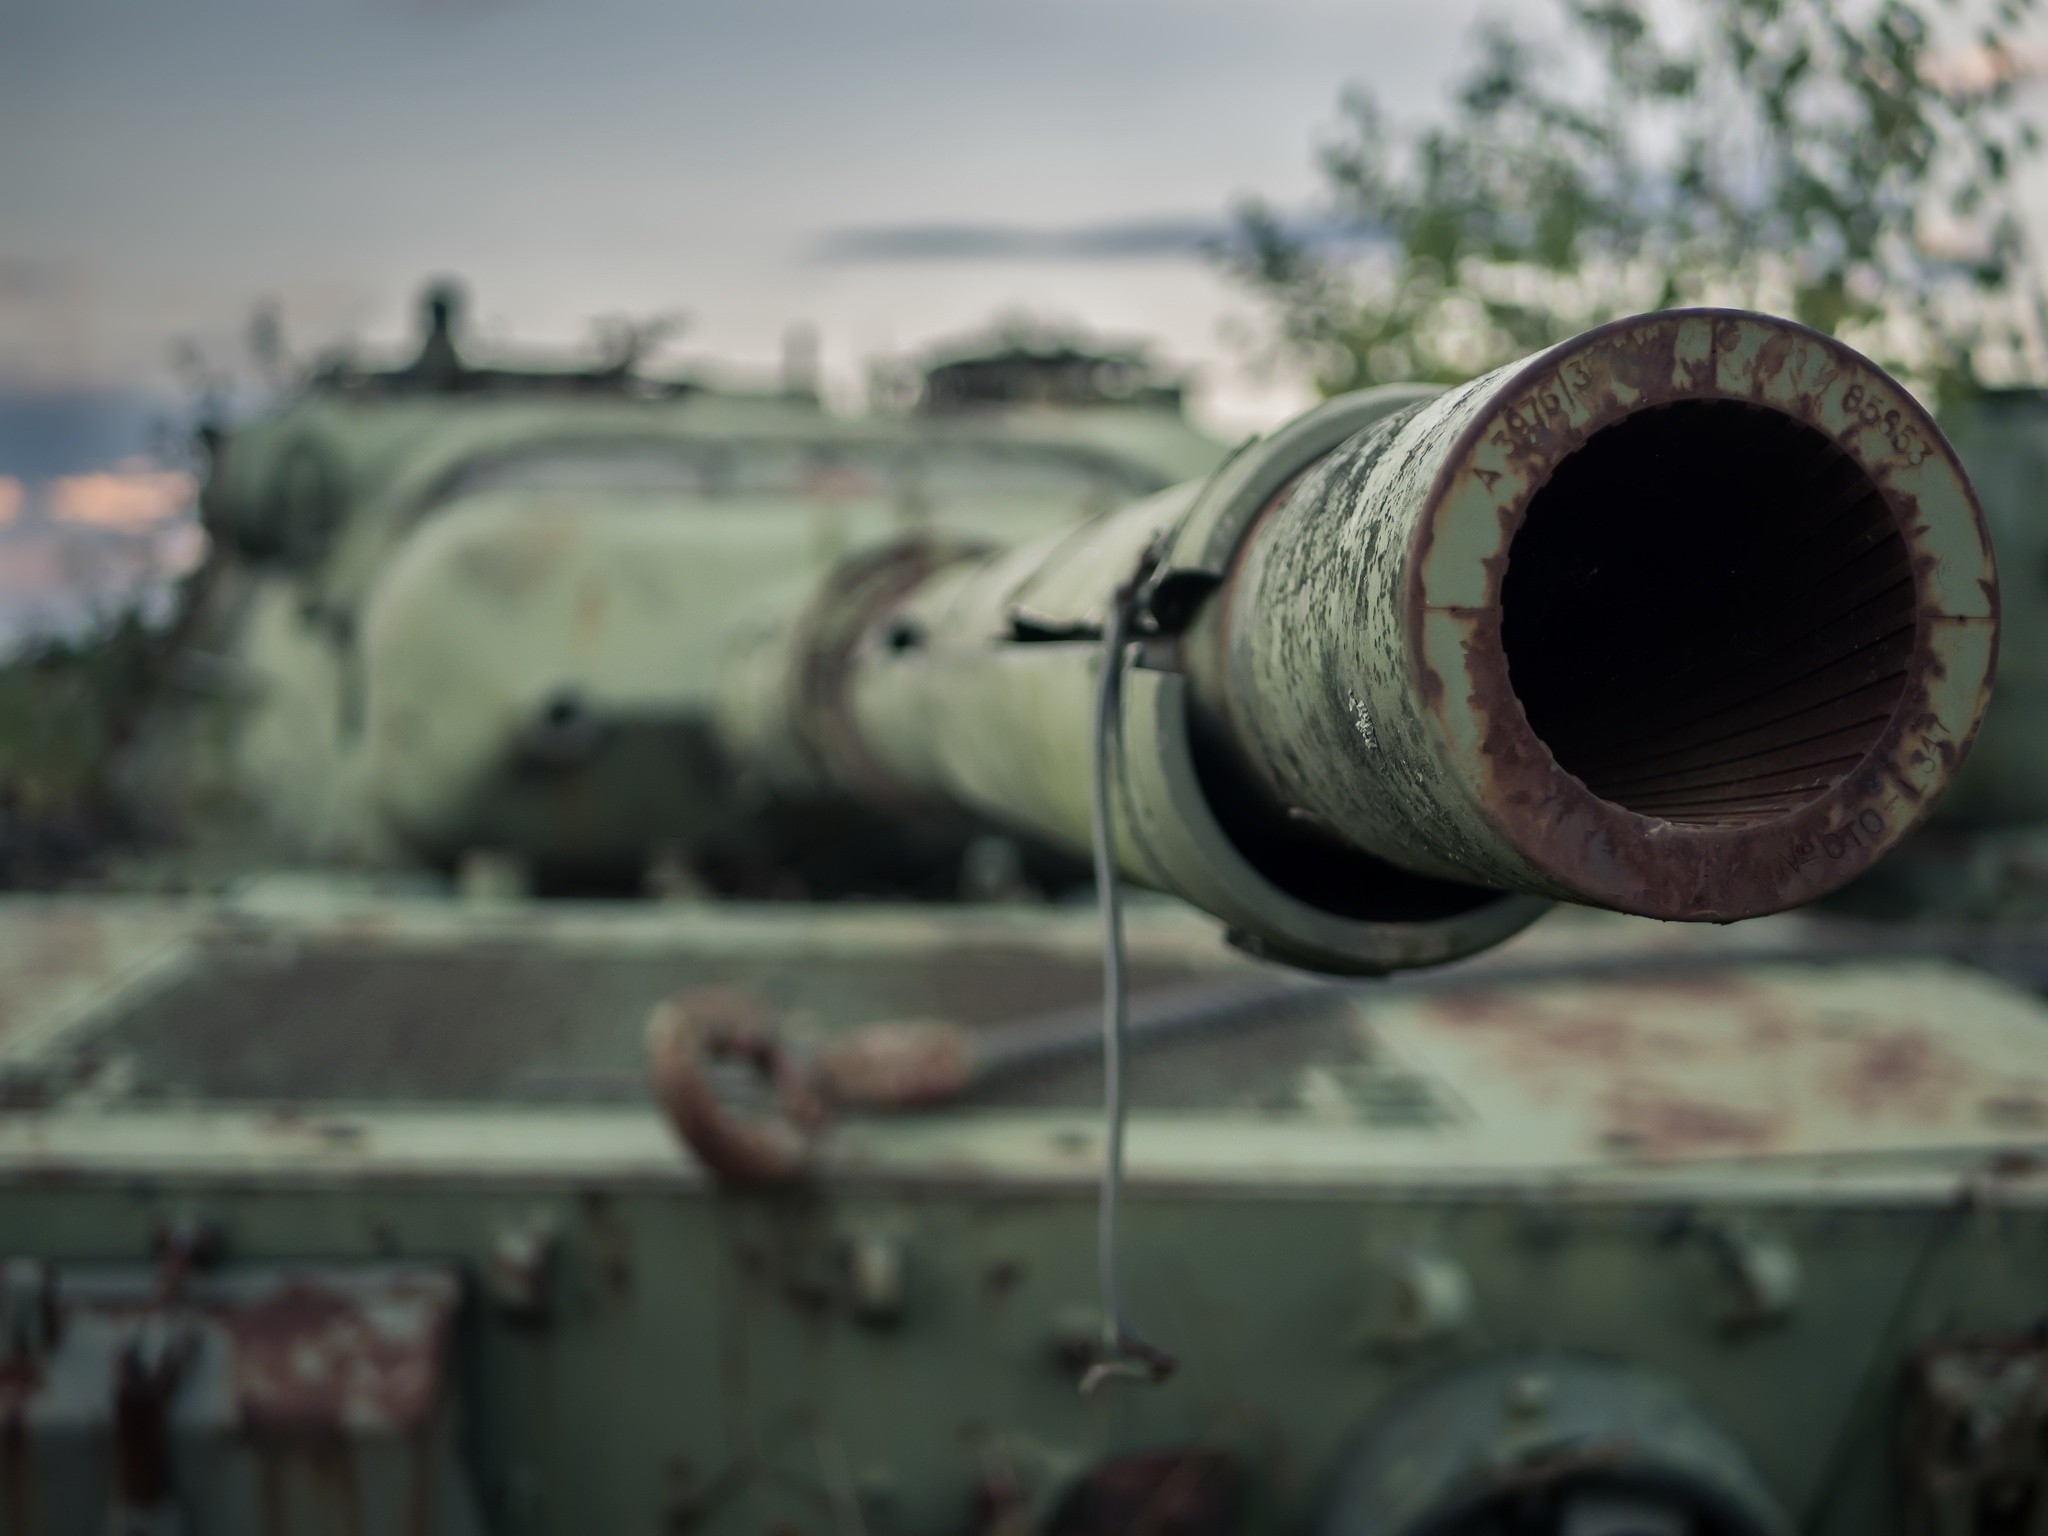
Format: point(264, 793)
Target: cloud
point(33, 569)
point(71, 579)
point(23, 280)
point(180, 548)
point(1191, 235)
point(46, 432)
point(954, 242)
point(128, 497)
point(13, 497)
point(1977, 71)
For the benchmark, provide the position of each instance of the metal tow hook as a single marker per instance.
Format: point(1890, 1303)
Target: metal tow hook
point(880, 1067)
point(895, 1066)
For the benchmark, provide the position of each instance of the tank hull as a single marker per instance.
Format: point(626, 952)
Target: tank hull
point(1779, 1186)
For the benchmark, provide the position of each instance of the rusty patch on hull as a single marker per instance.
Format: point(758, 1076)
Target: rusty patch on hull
point(309, 1359)
point(209, 1390)
point(1765, 1063)
point(1165, 1493)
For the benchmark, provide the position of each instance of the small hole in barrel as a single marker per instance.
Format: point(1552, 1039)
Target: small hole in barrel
point(1708, 613)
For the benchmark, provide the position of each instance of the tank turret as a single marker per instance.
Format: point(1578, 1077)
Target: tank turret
point(1691, 617)
point(468, 610)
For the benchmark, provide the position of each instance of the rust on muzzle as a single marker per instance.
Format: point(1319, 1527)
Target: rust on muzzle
point(1693, 616)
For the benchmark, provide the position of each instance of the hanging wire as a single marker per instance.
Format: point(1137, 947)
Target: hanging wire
point(1124, 1353)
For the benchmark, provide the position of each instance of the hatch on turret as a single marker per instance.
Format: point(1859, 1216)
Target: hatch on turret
point(1024, 363)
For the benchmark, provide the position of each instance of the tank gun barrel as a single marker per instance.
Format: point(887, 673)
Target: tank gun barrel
point(1692, 616)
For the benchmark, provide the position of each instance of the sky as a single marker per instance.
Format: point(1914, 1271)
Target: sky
point(165, 166)
point(168, 165)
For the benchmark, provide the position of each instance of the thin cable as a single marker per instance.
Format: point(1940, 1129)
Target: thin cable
point(1124, 1353)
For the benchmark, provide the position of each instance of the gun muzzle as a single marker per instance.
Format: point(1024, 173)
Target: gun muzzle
point(1692, 616)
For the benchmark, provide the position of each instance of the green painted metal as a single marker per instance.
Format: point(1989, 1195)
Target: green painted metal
point(1766, 1193)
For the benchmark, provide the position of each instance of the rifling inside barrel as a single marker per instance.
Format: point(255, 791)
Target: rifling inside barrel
point(1708, 614)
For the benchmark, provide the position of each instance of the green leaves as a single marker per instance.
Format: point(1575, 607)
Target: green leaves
point(1824, 158)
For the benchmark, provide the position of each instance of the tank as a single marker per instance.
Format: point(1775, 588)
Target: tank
point(484, 1198)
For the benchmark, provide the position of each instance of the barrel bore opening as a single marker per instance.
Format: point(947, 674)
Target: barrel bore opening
point(1708, 613)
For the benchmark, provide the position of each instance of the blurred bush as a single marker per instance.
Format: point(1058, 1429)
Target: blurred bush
point(1849, 164)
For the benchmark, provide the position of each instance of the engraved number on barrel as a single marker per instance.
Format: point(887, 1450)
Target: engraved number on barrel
point(1911, 777)
point(1867, 411)
point(1865, 832)
point(1540, 416)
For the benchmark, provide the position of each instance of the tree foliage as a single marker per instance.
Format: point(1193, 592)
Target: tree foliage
point(66, 708)
point(1850, 163)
